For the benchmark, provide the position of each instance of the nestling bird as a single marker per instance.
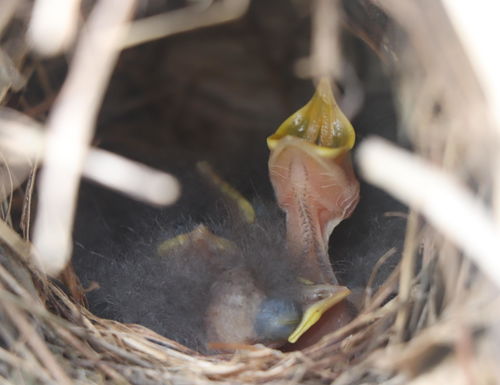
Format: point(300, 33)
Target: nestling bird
point(248, 277)
point(226, 282)
point(313, 179)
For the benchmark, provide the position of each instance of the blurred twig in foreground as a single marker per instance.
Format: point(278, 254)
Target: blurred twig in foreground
point(438, 196)
point(70, 129)
point(186, 19)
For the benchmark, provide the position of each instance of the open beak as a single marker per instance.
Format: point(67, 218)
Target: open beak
point(323, 298)
point(312, 176)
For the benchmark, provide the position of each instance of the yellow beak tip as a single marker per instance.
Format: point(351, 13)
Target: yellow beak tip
point(315, 311)
point(320, 122)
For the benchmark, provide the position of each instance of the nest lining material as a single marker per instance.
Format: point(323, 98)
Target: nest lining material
point(440, 324)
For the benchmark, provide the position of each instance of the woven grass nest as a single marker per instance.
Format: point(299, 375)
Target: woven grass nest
point(435, 316)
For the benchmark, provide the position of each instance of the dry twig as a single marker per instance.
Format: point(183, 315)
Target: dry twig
point(23, 138)
point(438, 196)
point(185, 19)
point(70, 129)
point(53, 25)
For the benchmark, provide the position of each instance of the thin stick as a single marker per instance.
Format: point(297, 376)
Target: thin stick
point(131, 178)
point(325, 39)
point(449, 206)
point(25, 365)
point(27, 203)
point(406, 275)
point(70, 131)
point(8, 9)
point(14, 241)
point(186, 19)
point(22, 137)
point(37, 344)
point(53, 25)
point(373, 275)
point(476, 23)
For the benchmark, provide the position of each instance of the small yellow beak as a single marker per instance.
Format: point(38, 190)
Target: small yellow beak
point(319, 122)
point(245, 209)
point(316, 310)
point(200, 237)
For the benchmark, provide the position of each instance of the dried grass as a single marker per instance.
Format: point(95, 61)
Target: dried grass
point(432, 321)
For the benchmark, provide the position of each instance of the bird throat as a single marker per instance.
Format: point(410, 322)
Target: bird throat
point(313, 179)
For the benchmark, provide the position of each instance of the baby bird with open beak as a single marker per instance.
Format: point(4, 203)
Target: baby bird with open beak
point(312, 176)
point(314, 183)
point(247, 277)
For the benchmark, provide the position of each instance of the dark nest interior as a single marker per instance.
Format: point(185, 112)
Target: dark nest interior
point(135, 92)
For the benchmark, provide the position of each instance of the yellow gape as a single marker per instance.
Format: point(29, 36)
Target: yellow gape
point(319, 122)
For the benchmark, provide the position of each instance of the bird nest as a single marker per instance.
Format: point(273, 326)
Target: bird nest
point(434, 316)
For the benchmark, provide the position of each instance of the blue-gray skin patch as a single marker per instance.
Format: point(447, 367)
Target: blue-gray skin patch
point(277, 319)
